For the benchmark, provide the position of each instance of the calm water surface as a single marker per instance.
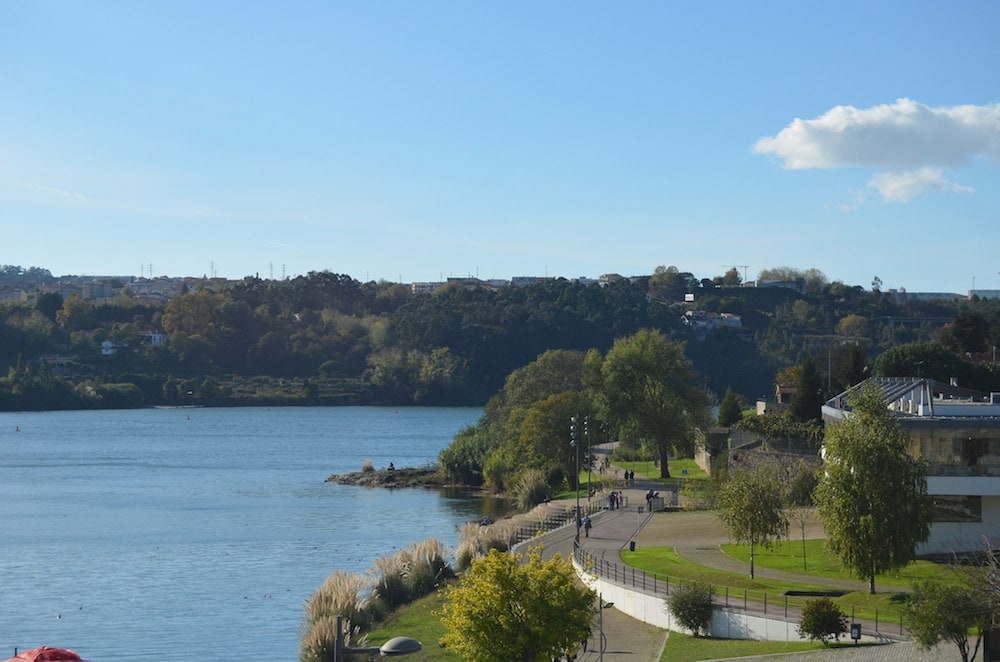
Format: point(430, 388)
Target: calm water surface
point(185, 534)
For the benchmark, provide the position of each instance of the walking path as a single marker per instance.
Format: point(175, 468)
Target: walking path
point(697, 537)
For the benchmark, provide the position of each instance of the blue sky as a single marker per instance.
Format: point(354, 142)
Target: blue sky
point(413, 141)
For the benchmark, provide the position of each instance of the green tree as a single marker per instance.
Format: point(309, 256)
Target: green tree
point(821, 619)
point(76, 314)
point(544, 434)
point(526, 425)
point(554, 371)
point(853, 326)
point(729, 409)
point(947, 612)
point(873, 497)
point(807, 402)
point(691, 605)
point(49, 303)
point(193, 314)
point(923, 359)
point(508, 608)
point(968, 332)
point(649, 387)
point(751, 506)
point(462, 461)
point(667, 282)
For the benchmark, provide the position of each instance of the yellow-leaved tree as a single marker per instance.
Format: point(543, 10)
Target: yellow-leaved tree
point(511, 608)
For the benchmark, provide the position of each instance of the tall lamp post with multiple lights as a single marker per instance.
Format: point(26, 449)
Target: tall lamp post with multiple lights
point(574, 440)
point(590, 456)
point(393, 647)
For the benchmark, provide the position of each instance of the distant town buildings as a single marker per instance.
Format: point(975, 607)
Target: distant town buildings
point(99, 289)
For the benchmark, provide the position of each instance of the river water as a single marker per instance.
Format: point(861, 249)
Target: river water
point(182, 534)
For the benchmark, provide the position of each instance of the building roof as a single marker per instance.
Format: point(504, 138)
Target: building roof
point(921, 398)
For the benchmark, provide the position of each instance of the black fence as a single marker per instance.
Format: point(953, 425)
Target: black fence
point(883, 624)
point(557, 518)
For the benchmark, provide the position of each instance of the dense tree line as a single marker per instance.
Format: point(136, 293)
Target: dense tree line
point(327, 338)
point(537, 432)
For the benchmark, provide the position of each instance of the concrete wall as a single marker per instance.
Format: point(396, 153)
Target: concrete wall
point(727, 623)
point(949, 537)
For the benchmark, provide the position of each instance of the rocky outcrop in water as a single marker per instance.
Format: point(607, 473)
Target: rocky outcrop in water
point(408, 477)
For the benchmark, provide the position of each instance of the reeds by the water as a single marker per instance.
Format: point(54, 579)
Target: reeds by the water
point(341, 594)
point(393, 580)
point(362, 599)
point(476, 541)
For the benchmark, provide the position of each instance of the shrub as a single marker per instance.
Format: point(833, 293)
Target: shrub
point(389, 590)
point(555, 477)
point(343, 594)
point(531, 489)
point(367, 466)
point(822, 619)
point(691, 605)
point(428, 568)
point(476, 541)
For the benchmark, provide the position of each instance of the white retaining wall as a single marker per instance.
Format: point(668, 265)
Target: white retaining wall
point(652, 609)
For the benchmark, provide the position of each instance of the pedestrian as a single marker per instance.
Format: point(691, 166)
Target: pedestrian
point(586, 528)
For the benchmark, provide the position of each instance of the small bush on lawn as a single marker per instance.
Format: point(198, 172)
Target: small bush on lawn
point(822, 619)
point(691, 605)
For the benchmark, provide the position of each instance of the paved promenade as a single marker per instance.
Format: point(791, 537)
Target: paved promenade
point(696, 536)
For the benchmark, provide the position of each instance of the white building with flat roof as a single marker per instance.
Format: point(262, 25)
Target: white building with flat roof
point(957, 432)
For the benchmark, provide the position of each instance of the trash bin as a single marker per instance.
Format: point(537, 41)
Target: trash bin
point(631, 545)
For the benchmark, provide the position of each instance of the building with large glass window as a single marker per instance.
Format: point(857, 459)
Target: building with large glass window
point(957, 432)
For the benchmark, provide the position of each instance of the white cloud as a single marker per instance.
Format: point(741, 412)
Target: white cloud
point(904, 185)
point(911, 142)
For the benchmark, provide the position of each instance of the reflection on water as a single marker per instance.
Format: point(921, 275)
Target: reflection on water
point(474, 504)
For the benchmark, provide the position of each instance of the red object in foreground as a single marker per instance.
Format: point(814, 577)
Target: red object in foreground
point(46, 654)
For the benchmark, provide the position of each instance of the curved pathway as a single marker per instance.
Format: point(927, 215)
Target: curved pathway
point(697, 536)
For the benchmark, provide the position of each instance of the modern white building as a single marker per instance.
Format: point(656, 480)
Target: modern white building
point(957, 432)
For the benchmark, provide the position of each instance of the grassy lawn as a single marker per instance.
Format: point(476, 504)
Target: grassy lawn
point(642, 470)
point(685, 648)
point(677, 466)
point(417, 620)
point(885, 604)
point(787, 555)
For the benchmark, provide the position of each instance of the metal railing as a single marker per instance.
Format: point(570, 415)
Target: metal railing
point(885, 623)
point(555, 519)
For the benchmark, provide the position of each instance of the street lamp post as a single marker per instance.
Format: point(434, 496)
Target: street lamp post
point(602, 605)
point(590, 457)
point(574, 436)
point(393, 647)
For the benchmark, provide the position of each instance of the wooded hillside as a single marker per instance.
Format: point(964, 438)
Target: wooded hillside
point(325, 338)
